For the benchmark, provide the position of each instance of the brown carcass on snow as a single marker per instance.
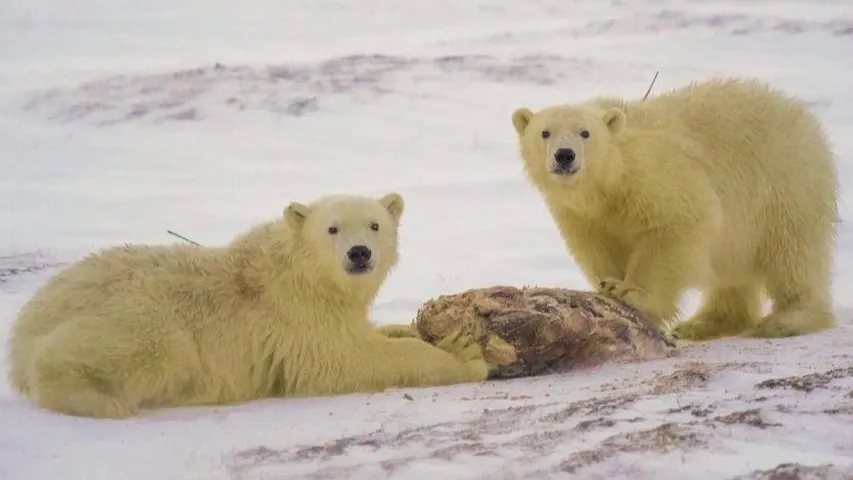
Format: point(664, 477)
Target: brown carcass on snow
point(537, 330)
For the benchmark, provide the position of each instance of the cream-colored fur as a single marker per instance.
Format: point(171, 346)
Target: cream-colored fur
point(726, 185)
point(277, 312)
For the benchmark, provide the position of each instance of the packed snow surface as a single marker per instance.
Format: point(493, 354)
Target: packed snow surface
point(120, 120)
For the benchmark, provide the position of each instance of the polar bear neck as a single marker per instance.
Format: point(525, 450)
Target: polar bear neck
point(589, 201)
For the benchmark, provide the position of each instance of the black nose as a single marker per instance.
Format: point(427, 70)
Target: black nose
point(359, 254)
point(564, 157)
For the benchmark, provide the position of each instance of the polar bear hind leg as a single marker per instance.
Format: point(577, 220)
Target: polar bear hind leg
point(87, 368)
point(800, 290)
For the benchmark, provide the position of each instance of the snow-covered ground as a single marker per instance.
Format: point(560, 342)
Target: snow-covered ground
point(120, 120)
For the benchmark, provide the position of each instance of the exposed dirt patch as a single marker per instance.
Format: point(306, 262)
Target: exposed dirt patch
point(840, 410)
point(554, 439)
point(662, 439)
point(601, 423)
point(24, 264)
point(595, 406)
point(745, 367)
point(492, 432)
point(700, 411)
point(807, 383)
point(541, 442)
point(444, 441)
point(753, 418)
point(796, 471)
point(692, 376)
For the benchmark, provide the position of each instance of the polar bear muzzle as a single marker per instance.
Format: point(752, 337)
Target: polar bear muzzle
point(358, 258)
point(564, 154)
point(564, 161)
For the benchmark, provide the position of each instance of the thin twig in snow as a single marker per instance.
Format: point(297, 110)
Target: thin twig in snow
point(182, 237)
point(650, 86)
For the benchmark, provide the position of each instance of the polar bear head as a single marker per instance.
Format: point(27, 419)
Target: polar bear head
point(350, 240)
point(570, 148)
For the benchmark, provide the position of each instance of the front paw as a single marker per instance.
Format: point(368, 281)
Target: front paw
point(775, 325)
point(463, 347)
point(499, 353)
point(618, 289)
point(634, 296)
point(466, 350)
point(692, 330)
point(709, 326)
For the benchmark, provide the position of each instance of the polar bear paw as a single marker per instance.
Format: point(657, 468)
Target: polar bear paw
point(633, 296)
point(462, 347)
point(617, 288)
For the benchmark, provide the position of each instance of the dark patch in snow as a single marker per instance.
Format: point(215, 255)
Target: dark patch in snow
point(694, 375)
point(595, 406)
point(661, 439)
point(602, 422)
point(24, 264)
point(291, 90)
point(752, 417)
point(807, 383)
point(694, 410)
point(796, 471)
point(668, 20)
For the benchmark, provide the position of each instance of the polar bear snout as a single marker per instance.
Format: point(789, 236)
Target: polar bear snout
point(359, 254)
point(564, 161)
point(359, 259)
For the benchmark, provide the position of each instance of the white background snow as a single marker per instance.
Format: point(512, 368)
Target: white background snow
point(123, 119)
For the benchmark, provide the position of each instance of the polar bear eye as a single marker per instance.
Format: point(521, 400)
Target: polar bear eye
point(332, 230)
point(584, 133)
point(546, 134)
point(374, 226)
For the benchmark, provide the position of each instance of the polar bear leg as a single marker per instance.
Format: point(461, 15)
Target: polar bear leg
point(661, 266)
point(798, 281)
point(98, 369)
point(724, 312)
point(455, 359)
point(376, 362)
point(797, 310)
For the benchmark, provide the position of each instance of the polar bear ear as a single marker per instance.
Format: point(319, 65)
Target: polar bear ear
point(615, 120)
point(520, 118)
point(296, 213)
point(393, 202)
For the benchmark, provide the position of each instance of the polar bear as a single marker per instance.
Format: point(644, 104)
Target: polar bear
point(726, 185)
point(280, 311)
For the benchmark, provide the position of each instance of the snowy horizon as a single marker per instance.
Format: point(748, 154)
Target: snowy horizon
point(121, 120)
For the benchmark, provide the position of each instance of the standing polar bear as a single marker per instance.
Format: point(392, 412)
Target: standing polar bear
point(281, 311)
point(725, 185)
